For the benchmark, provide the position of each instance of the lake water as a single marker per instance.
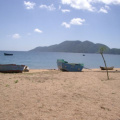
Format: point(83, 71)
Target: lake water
point(47, 60)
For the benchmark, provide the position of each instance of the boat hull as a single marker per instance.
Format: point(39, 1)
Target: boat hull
point(7, 54)
point(70, 67)
point(12, 68)
point(106, 68)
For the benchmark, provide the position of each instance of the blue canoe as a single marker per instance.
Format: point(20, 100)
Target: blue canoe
point(70, 67)
point(13, 68)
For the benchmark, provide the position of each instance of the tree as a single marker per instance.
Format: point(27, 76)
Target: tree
point(103, 49)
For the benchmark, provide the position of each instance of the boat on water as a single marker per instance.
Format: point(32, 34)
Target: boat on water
point(8, 54)
point(70, 67)
point(106, 68)
point(13, 68)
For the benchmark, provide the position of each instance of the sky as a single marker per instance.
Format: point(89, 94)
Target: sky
point(25, 25)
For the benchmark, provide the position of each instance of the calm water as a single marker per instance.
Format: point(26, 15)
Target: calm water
point(47, 60)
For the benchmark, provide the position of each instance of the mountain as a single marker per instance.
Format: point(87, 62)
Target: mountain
point(76, 47)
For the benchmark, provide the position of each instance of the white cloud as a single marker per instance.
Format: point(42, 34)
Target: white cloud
point(103, 10)
point(74, 21)
point(37, 30)
point(59, 7)
point(79, 4)
point(50, 7)
point(89, 4)
point(108, 2)
point(16, 36)
point(66, 25)
point(65, 10)
point(107, 7)
point(77, 21)
point(29, 5)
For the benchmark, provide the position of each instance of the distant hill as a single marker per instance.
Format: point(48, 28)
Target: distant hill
point(76, 47)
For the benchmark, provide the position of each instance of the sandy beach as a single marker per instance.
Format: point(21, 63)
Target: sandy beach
point(56, 95)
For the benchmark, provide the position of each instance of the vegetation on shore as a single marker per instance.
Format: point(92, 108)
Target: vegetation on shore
point(76, 47)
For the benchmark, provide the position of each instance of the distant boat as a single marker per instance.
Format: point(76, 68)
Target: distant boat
point(13, 68)
point(106, 68)
point(7, 54)
point(70, 67)
point(83, 54)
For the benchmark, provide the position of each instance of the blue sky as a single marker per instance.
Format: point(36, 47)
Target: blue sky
point(25, 25)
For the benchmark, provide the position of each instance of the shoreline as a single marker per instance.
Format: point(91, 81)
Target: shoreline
point(84, 70)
